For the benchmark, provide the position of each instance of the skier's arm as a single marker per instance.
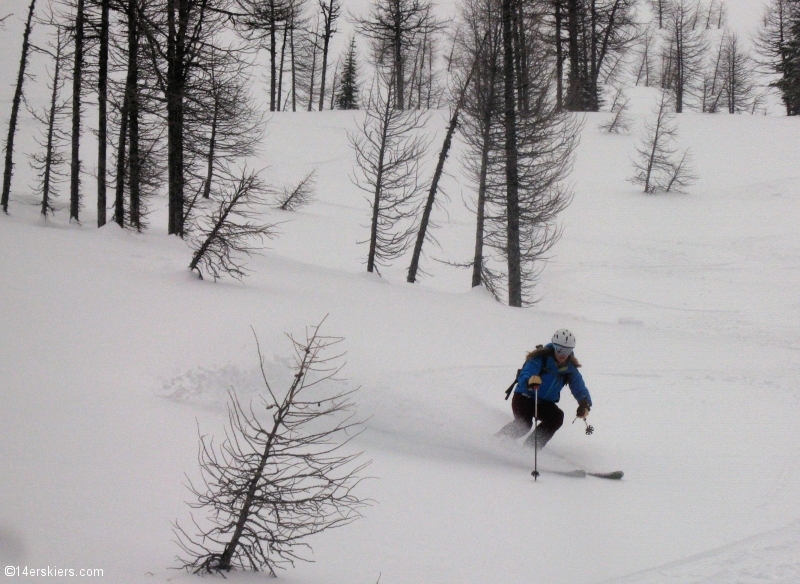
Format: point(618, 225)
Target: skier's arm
point(529, 374)
point(578, 387)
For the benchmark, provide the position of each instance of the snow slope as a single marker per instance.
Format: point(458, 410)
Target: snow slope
point(686, 312)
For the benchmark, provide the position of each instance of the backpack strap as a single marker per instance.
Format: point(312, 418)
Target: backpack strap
point(511, 387)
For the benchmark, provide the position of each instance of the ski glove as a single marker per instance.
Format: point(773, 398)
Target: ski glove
point(583, 409)
point(534, 383)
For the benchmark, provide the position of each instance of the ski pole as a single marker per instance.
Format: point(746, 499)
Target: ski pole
point(589, 429)
point(535, 434)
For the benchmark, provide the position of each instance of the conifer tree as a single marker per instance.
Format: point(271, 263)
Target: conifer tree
point(348, 96)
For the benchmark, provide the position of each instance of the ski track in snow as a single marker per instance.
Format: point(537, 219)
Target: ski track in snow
point(767, 557)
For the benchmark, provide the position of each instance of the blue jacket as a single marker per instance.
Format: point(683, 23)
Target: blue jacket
point(553, 376)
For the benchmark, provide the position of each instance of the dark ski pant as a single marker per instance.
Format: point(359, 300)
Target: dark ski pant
point(550, 419)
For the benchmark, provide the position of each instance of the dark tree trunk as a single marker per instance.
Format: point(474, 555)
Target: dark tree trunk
point(326, 39)
point(51, 124)
point(77, 82)
point(211, 147)
point(102, 112)
point(119, 194)
point(273, 30)
point(511, 154)
point(477, 265)
point(12, 123)
point(559, 57)
point(399, 74)
point(283, 60)
point(294, 69)
point(437, 175)
point(313, 74)
point(574, 89)
point(176, 55)
point(132, 90)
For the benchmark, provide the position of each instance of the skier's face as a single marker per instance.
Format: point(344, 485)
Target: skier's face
point(561, 353)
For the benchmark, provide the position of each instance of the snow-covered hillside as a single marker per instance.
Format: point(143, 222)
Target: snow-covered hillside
point(687, 316)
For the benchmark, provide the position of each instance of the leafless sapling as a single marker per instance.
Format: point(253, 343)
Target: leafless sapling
point(8, 169)
point(618, 122)
point(660, 165)
point(233, 231)
point(282, 474)
point(389, 149)
point(645, 68)
point(297, 196)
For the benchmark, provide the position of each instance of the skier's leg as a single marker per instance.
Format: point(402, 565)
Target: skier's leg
point(522, 407)
point(551, 419)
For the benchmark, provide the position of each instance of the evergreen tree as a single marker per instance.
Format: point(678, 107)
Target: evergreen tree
point(347, 98)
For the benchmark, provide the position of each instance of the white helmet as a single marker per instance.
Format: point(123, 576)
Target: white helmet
point(563, 338)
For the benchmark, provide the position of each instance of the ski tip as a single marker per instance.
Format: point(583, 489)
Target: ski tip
point(616, 475)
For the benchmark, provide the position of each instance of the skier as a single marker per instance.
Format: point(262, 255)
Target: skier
point(547, 369)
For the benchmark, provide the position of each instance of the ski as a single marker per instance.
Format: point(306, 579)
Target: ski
point(579, 474)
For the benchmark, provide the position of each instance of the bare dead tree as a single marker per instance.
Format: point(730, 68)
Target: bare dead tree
point(233, 231)
point(645, 69)
point(79, 22)
point(15, 103)
point(712, 78)
point(596, 32)
point(520, 158)
point(684, 51)
point(265, 22)
point(282, 474)
point(660, 164)
point(619, 122)
point(389, 150)
point(49, 161)
point(738, 85)
point(422, 231)
point(479, 40)
point(299, 195)
point(396, 29)
point(330, 12)
point(102, 111)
